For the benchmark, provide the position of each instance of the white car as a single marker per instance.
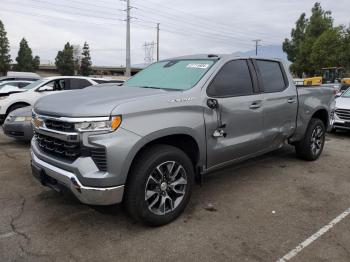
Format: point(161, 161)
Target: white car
point(341, 117)
point(40, 88)
point(11, 87)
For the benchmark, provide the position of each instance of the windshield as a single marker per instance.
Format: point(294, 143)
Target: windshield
point(172, 74)
point(346, 93)
point(34, 84)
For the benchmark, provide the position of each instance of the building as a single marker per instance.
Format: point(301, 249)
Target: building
point(98, 71)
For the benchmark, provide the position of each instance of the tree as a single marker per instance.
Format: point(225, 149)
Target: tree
point(25, 61)
point(292, 47)
point(24, 58)
point(346, 51)
point(303, 37)
point(328, 49)
point(5, 58)
point(36, 62)
point(64, 60)
point(85, 68)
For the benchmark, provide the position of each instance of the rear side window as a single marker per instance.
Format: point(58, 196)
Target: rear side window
point(271, 76)
point(13, 84)
point(23, 84)
point(233, 79)
point(78, 84)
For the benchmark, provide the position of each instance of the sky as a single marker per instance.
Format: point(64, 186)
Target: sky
point(186, 26)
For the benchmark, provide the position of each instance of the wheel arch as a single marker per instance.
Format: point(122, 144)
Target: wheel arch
point(184, 140)
point(14, 104)
point(323, 115)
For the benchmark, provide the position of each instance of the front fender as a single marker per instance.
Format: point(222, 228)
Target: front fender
point(143, 141)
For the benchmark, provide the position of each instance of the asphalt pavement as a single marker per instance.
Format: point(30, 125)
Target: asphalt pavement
point(259, 210)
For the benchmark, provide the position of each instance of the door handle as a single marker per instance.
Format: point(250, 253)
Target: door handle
point(291, 100)
point(255, 106)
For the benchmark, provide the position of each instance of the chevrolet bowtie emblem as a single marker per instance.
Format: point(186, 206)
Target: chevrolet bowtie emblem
point(37, 122)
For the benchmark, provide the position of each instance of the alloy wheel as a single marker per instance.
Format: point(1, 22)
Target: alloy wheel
point(165, 187)
point(317, 140)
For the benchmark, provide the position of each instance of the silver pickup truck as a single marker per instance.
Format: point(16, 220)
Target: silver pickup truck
point(146, 142)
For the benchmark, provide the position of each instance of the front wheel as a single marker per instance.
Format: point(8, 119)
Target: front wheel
point(160, 185)
point(311, 147)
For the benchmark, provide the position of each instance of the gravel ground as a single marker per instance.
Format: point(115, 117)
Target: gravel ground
point(257, 211)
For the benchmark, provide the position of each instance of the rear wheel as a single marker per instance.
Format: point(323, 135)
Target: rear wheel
point(311, 147)
point(160, 185)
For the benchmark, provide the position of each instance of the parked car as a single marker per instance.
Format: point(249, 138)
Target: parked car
point(20, 76)
point(40, 88)
point(11, 87)
point(18, 124)
point(145, 142)
point(341, 116)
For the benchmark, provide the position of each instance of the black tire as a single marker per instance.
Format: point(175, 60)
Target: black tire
point(140, 179)
point(305, 149)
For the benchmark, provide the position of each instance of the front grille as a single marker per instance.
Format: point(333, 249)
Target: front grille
point(57, 147)
point(71, 150)
point(59, 125)
point(343, 114)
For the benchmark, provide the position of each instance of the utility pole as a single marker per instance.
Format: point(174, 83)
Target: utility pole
point(158, 41)
point(149, 48)
point(128, 62)
point(256, 45)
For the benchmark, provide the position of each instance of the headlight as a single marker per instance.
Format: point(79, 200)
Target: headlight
point(21, 118)
point(3, 97)
point(93, 126)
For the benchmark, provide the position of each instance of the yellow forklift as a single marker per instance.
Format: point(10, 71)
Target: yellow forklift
point(330, 75)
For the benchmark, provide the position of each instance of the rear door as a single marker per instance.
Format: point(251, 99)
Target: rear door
point(239, 116)
point(280, 102)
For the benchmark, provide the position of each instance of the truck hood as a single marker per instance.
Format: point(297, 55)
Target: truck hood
point(342, 103)
point(92, 101)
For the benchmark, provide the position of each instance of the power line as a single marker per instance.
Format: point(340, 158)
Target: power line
point(196, 29)
point(72, 13)
point(223, 28)
point(84, 9)
point(36, 15)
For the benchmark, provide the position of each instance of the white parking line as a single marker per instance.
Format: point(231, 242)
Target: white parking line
point(315, 236)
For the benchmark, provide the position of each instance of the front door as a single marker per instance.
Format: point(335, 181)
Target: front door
point(235, 128)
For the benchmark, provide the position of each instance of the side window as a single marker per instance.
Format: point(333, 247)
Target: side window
point(271, 76)
point(79, 84)
point(233, 79)
point(47, 87)
point(23, 84)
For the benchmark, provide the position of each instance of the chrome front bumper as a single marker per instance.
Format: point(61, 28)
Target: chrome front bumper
point(87, 195)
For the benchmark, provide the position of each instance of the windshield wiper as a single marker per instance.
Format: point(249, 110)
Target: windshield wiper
point(154, 87)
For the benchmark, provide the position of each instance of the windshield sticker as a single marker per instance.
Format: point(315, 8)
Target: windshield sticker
point(200, 66)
